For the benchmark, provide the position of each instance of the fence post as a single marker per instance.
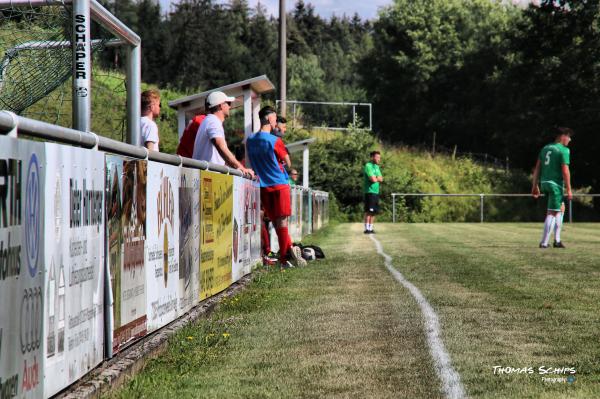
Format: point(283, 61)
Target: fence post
point(481, 207)
point(571, 211)
point(394, 208)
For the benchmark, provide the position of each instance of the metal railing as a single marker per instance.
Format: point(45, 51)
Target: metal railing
point(482, 197)
point(11, 123)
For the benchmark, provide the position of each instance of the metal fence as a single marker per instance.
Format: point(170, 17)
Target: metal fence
point(482, 197)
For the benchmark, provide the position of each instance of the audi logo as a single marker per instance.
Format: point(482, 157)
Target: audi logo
point(31, 319)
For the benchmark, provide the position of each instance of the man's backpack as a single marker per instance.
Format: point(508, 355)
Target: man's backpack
point(186, 144)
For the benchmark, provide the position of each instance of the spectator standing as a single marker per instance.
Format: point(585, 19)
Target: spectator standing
point(372, 179)
point(210, 144)
point(293, 177)
point(281, 127)
point(150, 111)
point(186, 144)
point(266, 153)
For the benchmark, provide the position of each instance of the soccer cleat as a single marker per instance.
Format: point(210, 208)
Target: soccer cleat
point(372, 232)
point(296, 255)
point(286, 265)
point(543, 246)
point(367, 232)
point(558, 244)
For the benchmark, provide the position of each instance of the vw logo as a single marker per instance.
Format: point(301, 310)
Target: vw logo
point(32, 215)
point(31, 320)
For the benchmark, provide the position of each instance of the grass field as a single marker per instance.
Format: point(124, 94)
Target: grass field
point(345, 328)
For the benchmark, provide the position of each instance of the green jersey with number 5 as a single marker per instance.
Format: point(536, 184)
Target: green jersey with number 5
point(552, 158)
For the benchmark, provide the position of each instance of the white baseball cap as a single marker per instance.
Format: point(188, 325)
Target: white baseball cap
point(218, 97)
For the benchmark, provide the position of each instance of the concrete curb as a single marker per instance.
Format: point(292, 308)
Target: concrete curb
point(113, 373)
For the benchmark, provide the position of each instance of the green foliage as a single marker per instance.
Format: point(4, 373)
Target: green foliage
point(488, 77)
point(337, 161)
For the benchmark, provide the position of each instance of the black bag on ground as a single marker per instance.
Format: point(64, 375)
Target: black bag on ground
point(319, 254)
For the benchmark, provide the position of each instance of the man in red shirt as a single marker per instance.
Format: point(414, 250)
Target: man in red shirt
point(186, 144)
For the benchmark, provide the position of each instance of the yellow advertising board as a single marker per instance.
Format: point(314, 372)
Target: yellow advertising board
point(216, 227)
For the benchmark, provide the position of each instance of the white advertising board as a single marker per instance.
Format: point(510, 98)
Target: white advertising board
point(189, 239)
point(21, 268)
point(246, 227)
point(74, 263)
point(162, 243)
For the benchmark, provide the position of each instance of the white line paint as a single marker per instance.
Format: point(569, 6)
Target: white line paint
point(451, 384)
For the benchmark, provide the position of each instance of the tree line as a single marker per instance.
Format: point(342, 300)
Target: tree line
point(482, 75)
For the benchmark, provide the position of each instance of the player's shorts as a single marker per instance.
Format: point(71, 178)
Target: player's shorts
point(372, 203)
point(276, 203)
point(554, 192)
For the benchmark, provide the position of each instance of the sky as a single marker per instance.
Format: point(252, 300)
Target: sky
point(325, 8)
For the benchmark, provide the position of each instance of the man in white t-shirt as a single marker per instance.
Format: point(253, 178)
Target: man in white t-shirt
point(210, 144)
point(150, 111)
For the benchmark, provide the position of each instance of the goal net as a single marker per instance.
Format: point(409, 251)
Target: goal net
point(36, 64)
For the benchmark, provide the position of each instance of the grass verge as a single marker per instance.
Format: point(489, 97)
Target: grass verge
point(338, 328)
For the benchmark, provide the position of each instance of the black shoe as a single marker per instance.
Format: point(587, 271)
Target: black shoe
point(543, 246)
point(367, 232)
point(372, 232)
point(558, 244)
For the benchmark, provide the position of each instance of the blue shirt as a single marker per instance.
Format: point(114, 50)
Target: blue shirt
point(265, 153)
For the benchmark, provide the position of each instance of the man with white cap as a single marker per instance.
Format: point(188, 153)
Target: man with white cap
point(210, 144)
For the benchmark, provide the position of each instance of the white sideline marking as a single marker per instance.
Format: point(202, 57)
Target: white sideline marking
point(451, 384)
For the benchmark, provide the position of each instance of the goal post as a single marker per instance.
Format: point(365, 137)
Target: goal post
point(302, 107)
point(81, 44)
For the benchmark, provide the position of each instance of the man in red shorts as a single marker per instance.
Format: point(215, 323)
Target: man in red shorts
point(267, 153)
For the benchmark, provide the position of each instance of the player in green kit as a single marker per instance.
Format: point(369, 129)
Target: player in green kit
point(372, 178)
point(552, 171)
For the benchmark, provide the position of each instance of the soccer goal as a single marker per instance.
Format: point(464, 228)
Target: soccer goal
point(473, 207)
point(329, 115)
point(47, 48)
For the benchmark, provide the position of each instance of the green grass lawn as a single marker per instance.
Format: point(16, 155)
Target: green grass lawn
point(345, 328)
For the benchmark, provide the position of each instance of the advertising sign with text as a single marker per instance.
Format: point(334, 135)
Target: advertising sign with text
point(162, 243)
point(21, 268)
point(125, 240)
point(189, 239)
point(216, 227)
point(246, 230)
point(74, 256)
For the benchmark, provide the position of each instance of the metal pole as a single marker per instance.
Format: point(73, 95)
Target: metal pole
point(134, 94)
point(481, 207)
point(370, 116)
point(247, 111)
point(393, 208)
point(354, 115)
point(571, 211)
point(305, 166)
point(82, 69)
point(294, 115)
point(282, 57)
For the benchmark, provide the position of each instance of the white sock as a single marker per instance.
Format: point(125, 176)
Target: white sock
point(369, 227)
point(558, 226)
point(366, 226)
point(548, 227)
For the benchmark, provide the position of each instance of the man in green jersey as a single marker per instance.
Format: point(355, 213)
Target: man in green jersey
point(552, 170)
point(372, 178)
